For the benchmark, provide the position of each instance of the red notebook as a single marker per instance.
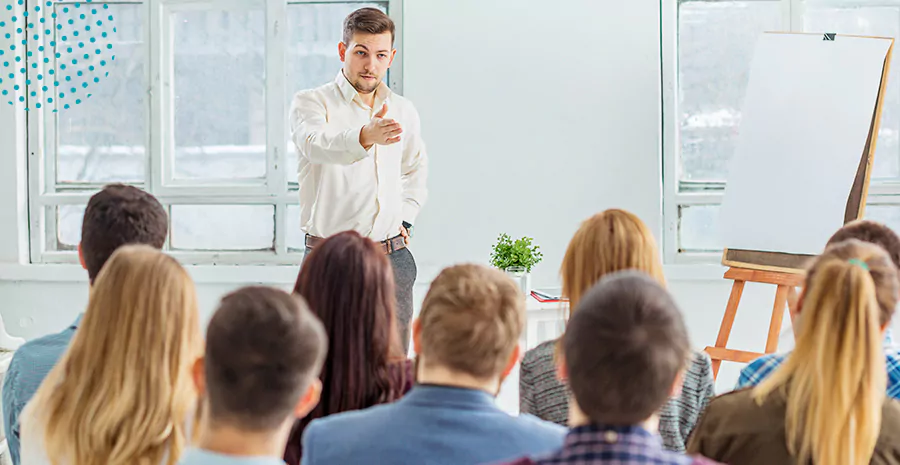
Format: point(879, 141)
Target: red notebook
point(543, 297)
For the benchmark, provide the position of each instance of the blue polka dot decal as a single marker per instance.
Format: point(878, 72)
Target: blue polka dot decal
point(48, 43)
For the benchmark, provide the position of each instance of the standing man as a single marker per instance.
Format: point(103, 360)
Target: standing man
point(362, 160)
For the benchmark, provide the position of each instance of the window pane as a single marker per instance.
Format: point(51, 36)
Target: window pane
point(877, 21)
point(220, 99)
point(68, 227)
point(223, 227)
point(314, 31)
point(296, 239)
point(698, 228)
point(887, 214)
point(716, 41)
point(102, 139)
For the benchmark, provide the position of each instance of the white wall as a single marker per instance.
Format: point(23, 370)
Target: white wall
point(536, 116)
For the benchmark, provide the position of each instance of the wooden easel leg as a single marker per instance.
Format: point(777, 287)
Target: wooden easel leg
point(777, 318)
point(728, 321)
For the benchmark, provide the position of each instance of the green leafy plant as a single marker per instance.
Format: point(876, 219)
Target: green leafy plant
point(521, 252)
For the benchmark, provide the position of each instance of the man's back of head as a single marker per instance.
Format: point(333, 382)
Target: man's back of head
point(624, 349)
point(119, 215)
point(470, 322)
point(872, 232)
point(466, 339)
point(264, 351)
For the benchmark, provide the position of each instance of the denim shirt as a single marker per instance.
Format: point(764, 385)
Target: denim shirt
point(29, 366)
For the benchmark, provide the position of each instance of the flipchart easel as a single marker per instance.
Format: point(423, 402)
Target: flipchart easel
point(786, 270)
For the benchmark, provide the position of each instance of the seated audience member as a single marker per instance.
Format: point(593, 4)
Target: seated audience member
point(611, 241)
point(264, 350)
point(864, 230)
point(348, 283)
point(826, 403)
point(624, 352)
point(122, 392)
point(115, 216)
point(466, 338)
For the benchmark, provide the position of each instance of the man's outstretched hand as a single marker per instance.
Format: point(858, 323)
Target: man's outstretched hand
point(380, 130)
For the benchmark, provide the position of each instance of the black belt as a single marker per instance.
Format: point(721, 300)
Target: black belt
point(389, 246)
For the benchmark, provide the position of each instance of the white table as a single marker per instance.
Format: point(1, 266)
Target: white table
point(545, 321)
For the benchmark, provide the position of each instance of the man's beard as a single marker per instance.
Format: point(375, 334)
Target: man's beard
point(363, 87)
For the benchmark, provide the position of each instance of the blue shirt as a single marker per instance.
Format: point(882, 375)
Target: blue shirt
point(205, 457)
point(761, 368)
point(29, 366)
point(434, 425)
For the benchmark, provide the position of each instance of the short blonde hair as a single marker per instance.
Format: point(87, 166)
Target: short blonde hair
point(471, 320)
point(610, 241)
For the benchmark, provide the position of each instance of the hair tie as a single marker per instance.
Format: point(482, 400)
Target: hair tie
point(859, 263)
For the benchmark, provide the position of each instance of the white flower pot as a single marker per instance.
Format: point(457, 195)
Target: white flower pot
point(521, 277)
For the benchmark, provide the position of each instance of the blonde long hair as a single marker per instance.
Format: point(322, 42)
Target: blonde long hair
point(610, 241)
point(834, 381)
point(122, 392)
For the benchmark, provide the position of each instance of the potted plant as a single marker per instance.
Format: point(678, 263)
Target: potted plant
point(516, 258)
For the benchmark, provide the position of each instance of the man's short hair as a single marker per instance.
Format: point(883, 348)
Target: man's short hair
point(263, 349)
point(872, 232)
point(624, 347)
point(471, 320)
point(119, 215)
point(367, 21)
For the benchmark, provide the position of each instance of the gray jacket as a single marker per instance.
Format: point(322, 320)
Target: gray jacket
point(544, 396)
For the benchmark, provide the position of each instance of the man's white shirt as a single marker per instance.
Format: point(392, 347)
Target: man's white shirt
point(343, 186)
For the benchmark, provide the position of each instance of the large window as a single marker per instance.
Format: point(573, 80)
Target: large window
point(193, 109)
point(708, 46)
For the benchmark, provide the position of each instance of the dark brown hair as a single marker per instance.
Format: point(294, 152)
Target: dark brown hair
point(349, 284)
point(872, 232)
point(471, 320)
point(367, 21)
point(624, 347)
point(263, 348)
point(116, 216)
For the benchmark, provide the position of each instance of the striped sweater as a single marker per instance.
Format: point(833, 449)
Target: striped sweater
point(543, 395)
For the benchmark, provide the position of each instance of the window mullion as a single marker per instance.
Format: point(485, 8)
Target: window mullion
point(395, 75)
point(158, 44)
point(41, 171)
point(795, 15)
point(670, 150)
point(276, 112)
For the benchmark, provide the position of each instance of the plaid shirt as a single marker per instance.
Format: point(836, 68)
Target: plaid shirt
point(612, 445)
point(761, 368)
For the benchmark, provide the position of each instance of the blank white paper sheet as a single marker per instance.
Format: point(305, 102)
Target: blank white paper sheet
point(804, 127)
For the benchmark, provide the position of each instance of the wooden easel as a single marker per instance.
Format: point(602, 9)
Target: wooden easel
point(785, 269)
point(740, 276)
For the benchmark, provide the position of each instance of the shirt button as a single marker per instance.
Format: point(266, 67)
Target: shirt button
point(611, 437)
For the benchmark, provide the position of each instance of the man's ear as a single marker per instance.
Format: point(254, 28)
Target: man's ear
point(342, 51)
point(199, 376)
point(393, 54)
point(309, 399)
point(512, 362)
point(675, 390)
point(562, 372)
point(81, 257)
point(417, 336)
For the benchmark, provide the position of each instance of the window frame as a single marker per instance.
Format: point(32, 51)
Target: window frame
point(274, 189)
point(678, 193)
